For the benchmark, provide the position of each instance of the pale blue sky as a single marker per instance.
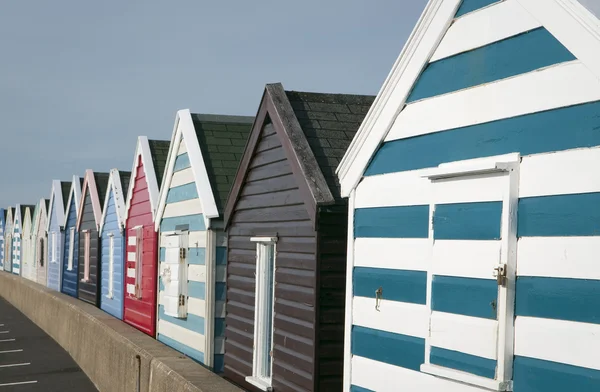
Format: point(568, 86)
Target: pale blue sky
point(80, 80)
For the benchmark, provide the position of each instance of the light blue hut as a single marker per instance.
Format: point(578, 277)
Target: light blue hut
point(2, 224)
point(69, 266)
point(54, 230)
point(8, 242)
point(112, 242)
point(474, 193)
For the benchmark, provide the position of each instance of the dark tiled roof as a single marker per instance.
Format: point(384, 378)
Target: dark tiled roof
point(65, 187)
point(102, 185)
point(160, 151)
point(47, 201)
point(125, 177)
point(329, 122)
point(222, 141)
point(4, 213)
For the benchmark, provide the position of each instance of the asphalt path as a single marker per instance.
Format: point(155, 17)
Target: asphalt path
point(32, 361)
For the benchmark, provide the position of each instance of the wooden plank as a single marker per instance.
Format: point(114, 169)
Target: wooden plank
point(393, 253)
point(272, 170)
point(267, 157)
point(415, 318)
point(273, 214)
point(465, 258)
point(186, 207)
point(275, 184)
point(275, 199)
point(268, 143)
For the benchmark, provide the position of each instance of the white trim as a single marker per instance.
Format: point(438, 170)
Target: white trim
point(111, 265)
point(465, 258)
point(210, 277)
point(185, 132)
point(556, 86)
point(75, 192)
point(562, 341)
point(393, 316)
point(266, 240)
point(394, 253)
point(114, 186)
point(348, 319)
point(490, 24)
point(259, 383)
point(142, 149)
point(420, 46)
point(467, 378)
point(89, 183)
point(471, 167)
point(56, 196)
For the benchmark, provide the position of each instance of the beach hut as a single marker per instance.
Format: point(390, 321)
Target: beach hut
point(17, 238)
point(40, 240)
point(55, 233)
point(8, 239)
point(88, 225)
point(3, 212)
point(474, 198)
point(140, 211)
point(112, 243)
point(28, 269)
point(204, 153)
point(68, 268)
point(287, 228)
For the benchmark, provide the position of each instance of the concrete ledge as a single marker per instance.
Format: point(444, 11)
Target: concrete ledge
point(115, 356)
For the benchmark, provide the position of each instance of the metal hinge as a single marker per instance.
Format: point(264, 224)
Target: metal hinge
point(181, 300)
point(500, 274)
point(182, 252)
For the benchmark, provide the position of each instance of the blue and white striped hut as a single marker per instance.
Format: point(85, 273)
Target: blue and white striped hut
point(474, 188)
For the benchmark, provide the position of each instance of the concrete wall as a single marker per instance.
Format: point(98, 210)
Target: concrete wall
point(107, 349)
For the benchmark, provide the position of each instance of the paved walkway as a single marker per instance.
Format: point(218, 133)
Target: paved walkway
point(31, 361)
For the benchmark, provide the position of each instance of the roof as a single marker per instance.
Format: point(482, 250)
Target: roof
point(65, 188)
point(329, 122)
point(125, 177)
point(48, 200)
point(222, 140)
point(315, 130)
point(101, 184)
point(159, 149)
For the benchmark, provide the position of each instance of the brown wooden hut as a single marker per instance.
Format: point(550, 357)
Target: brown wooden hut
point(287, 235)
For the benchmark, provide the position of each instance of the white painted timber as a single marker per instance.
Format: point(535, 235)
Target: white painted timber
point(560, 173)
point(131, 256)
point(130, 289)
point(181, 208)
point(383, 377)
point(197, 239)
point(394, 253)
point(393, 316)
point(569, 342)
point(469, 335)
point(196, 306)
point(465, 258)
point(182, 335)
point(182, 149)
point(559, 257)
point(553, 87)
point(491, 24)
point(197, 273)
point(182, 177)
point(131, 240)
point(131, 272)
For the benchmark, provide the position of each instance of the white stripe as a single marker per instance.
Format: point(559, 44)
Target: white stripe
point(131, 272)
point(182, 148)
point(554, 87)
point(182, 177)
point(383, 377)
point(393, 316)
point(465, 258)
point(17, 383)
point(130, 289)
point(197, 273)
point(11, 351)
point(130, 256)
point(131, 241)
point(15, 364)
point(196, 306)
point(395, 253)
point(196, 239)
point(560, 341)
point(559, 257)
point(558, 173)
point(181, 208)
point(484, 27)
point(469, 335)
point(182, 335)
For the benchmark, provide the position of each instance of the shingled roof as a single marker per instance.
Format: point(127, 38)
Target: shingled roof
point(159, 150)
point(222, 140)
point(329, 122)
point(125, 177)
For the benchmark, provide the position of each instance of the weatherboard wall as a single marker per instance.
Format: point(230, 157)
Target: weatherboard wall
point(89, 288)
point(111, 298)
point(55, 246)
point(70, 272)
point(521, 92)
point(41, 244)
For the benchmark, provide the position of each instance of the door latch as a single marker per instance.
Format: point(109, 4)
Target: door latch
point(500, 274)
point(378, 298)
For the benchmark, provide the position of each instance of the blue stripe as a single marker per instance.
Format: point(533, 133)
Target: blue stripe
point(400, 350)
point(397, 285)
point(354, 388)
point(161, 285)
point(221, 255)
point(190, 352)
point(479, 366)
point(499, 60)
point(195, 222)
point(472, 5)
point(162, 254)
point(219, 363)
point(219, 327)
point(182, 193)
point(220, 291)
point(534, 375)
point(182, 162)
point(466, 296)
point(191, 322)
point(196, 256)
point(562, 215)
point(197, 290)
point(558, 298)
point(529, 134)
point(467, 221)
point(392, 222)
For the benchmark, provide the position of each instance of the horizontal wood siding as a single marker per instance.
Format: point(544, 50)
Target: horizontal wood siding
point(40, 235)
point(331, 278)
point(114, 303)
point(270, 204)
point(54, 268)
point(69, 277)
point(141, 312)
point(88, 291)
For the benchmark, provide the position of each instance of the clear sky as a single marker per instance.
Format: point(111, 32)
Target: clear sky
point(80, 80)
